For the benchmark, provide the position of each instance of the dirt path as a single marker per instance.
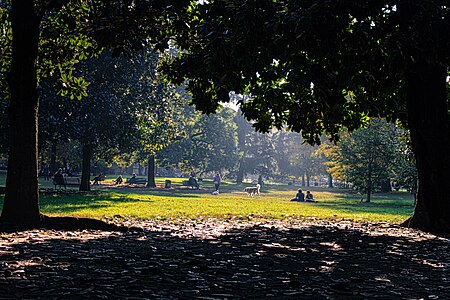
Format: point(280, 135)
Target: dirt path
point(226, 260)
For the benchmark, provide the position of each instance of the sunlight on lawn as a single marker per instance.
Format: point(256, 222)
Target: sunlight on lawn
point(231, 203)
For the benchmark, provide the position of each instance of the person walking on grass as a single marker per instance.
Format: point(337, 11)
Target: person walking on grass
point(217, 180)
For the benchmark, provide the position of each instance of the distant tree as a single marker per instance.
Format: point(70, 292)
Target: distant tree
point(126, 109)
point(157, 121)
point(243, 129)
point(208, 145)
point(257, 153)
point(404, 171)
point(367, 155)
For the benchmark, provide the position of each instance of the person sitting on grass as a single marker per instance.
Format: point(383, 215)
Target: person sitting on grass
point(193, 182)
point(300, 197)
point(309, 197)
point(98, 178)
point(118, 180)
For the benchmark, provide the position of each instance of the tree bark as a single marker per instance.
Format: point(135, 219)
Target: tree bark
point(151, 172)
point(240, 121)
point(386, 186)
point(88, 151)
point(53, 167)
point(241, 172)
point(330, 180)
point(21, 203)
point(429, 126)
point(369, 183)
point(308, 177)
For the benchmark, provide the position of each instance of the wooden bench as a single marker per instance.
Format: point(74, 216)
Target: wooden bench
point(68, 181)
point(136, 181)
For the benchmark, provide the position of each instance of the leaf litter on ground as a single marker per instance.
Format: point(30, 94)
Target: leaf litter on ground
point(226, 259)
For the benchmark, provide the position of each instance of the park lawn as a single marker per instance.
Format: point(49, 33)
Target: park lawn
point(232, 203)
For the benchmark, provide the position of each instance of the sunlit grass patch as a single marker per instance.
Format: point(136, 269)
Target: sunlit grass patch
point(232, 202)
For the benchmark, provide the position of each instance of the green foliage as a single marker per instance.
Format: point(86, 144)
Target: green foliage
point(258, 150)
point(404, 171)
point(316, 66)
point(367, 156)
point(208, 145)
point(110, 117)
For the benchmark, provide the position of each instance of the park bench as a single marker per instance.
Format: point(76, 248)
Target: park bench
point(136, 181)
point(68, 181)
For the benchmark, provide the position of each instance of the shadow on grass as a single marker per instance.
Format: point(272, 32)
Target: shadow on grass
point(252, 263)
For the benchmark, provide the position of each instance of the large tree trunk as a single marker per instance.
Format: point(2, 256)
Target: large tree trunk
point(330, 180)
point(308, 179)
point(369, 183)
point(151, 172)
point(428, 122)
point(240, 121)
point(241, 172)
point(21, 203)
point(88, 151)
point(53, 167)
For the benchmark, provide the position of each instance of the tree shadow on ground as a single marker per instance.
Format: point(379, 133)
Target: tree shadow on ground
point(195, 261)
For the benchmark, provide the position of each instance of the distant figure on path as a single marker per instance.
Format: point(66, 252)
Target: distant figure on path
point(217, 180)
point(300, 197)
point(58, 177)
point(260, 180)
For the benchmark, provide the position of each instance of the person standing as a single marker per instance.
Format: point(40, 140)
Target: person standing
point(260, 180)
point(217, 181)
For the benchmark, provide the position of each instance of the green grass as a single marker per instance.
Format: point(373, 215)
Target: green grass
point(142, 203)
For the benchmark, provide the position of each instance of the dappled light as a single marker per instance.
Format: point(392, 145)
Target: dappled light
point(226, 260)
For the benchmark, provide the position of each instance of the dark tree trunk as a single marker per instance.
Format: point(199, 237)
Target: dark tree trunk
point(330, 180)
point(369, 183)
point(86, 168)
point(303, 179)
point(308, 179)
point(21, 203)
point(151, 172)
point(428, 122)
point(53, 167)
point(386, 186)
point(240, 121)
point(241, 172)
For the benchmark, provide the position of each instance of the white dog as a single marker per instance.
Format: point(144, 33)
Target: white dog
point(252, 190)
point(215, 193)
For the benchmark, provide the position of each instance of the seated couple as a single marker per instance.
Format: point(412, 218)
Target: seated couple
point(301, 197)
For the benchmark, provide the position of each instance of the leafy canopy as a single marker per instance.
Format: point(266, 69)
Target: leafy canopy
point(316, 66)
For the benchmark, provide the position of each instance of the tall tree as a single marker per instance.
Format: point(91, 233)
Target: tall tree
point(111, 23)
point(367, 156)
point(321, 65)
point(21, 200)
point(209, 143)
